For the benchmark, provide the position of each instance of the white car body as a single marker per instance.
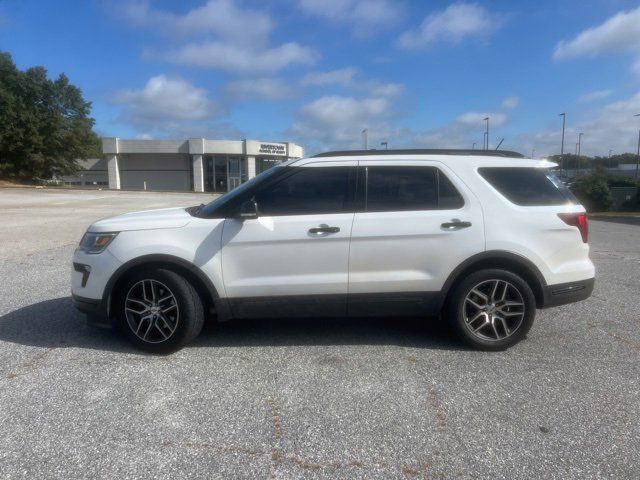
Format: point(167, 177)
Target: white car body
point(247, 263)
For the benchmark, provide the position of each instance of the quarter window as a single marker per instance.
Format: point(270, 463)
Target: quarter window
point(408, 188)
point(527, 186)
point(308, 191)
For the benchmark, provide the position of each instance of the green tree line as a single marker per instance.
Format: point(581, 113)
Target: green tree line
point(44, 124)
point(574, 162)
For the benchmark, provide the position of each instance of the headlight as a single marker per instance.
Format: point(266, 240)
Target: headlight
point(96, 242)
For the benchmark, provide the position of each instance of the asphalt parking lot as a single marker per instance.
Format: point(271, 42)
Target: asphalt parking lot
point(315, 399)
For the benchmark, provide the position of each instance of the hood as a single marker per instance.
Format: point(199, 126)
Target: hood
point(144, 220)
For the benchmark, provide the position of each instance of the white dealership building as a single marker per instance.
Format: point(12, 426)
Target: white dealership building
point(196, 164)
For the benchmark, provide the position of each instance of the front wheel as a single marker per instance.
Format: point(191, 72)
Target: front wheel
point(492, 309)
point(158, 310)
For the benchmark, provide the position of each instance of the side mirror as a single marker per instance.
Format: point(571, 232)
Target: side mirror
point(248, 209)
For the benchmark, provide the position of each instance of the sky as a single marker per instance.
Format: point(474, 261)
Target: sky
point(318, 72)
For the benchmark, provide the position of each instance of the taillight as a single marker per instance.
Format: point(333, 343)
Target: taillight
point(577, 220)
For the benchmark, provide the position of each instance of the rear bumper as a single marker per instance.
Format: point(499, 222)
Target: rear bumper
point(94, 309)
point(563, 293)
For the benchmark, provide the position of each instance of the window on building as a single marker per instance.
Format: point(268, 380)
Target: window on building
point(309, 190)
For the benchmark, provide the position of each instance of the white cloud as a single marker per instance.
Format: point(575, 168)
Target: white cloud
point(510, 102)
point(619, 33)
point(335, 121)
point(612, 126)
point(347, 78)
point(242, 59)
point(452, 25)
point(267, 88)
point(597, 95)
point(163, 101)
point(366, 16)
point(342, 77)
point(476, 120)
point(227, 37)
point(220, 17)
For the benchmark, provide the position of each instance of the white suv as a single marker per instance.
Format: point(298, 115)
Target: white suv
point(483, 238)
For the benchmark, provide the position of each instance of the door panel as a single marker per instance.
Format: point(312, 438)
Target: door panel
point(292, 260)
point(278, 256)
point(411, 251)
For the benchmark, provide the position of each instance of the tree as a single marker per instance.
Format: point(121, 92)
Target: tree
point(593, 191)
point(44, 124)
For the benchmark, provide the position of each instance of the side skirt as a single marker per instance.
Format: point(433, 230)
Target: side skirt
point(400, 304)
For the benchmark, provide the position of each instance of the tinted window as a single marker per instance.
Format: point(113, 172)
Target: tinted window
point(400, 188)
point(527, 186)
point(309, 190)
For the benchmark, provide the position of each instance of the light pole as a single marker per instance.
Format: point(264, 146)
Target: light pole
point(473, 147)
point(487, 132)
point(564, 118)
point(638, 159)
point(580, 142)
point(610, 150)
point(365, 139)
point(385, 145)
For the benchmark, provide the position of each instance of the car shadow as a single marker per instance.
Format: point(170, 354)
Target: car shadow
point(57, 324)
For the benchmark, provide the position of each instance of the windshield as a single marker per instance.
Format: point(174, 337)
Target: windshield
point(210, 207)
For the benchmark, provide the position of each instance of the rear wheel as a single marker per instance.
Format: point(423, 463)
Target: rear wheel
point(159, 310)
point(492, 309)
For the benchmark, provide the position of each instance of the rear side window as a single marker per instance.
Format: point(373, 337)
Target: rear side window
point(528, 186)
point(391, 188)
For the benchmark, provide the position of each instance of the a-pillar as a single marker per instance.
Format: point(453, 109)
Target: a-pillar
point(198, 173)
point(113, 171)
point(251, 167)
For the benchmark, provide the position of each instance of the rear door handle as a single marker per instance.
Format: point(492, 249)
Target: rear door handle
point(455, 225)
point(323, 229)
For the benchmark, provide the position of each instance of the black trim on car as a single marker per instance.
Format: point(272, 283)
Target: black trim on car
point(563, 293)
point(93, 309)
point(498, 259)
point(422, 151)
point(85, 270)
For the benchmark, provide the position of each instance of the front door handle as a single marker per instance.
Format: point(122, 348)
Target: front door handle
point(455, 225)
point(323, 230)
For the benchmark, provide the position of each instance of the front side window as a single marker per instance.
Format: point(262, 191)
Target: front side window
point(308, 191)
point(409, 188)
point(528, 186)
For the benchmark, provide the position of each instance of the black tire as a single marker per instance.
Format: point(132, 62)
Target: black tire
point(462, 307)
point(186, 317)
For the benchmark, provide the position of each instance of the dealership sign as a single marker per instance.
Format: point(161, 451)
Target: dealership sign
point(272, 149)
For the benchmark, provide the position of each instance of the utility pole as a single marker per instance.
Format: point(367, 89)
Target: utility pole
point(564, 118)
point(365, 139)
point(487, 132)
point(580, 142)
point(638, 159)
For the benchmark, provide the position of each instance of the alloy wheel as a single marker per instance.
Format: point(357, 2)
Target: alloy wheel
point(152, 311)
point(494, 310)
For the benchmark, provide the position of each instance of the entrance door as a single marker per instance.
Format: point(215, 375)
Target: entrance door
point(234, 178)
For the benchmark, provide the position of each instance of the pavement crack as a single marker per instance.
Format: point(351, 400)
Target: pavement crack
point(276, 456)
point(31, 365)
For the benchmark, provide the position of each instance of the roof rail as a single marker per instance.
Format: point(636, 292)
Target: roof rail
point(422, 151)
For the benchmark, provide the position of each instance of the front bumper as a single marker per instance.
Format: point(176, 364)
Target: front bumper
point(95, 311)
point(89, 278)
point(563, 293)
